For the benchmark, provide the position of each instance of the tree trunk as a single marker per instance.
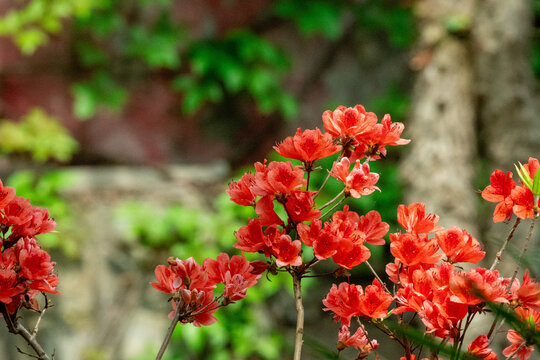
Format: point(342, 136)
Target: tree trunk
point(510, 128)
point(439, 169)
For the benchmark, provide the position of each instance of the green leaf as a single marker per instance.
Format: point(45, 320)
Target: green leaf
point(536, 183)
point(29, 40)
point(85, 101)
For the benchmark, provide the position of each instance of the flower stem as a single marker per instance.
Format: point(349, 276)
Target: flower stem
point(500, 252)
point(331, 201)
point(170, 331)
point(322, 186)
point(297, 287)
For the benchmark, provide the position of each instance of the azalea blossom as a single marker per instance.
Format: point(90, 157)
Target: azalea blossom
point(479, 348)
point(359, 181)
point(499, 192)
point(359, 341)
point(346, 123)
point(413, 219)
point(307, 146)
point(459, 246)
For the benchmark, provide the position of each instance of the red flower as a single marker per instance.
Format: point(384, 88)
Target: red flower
point(191, 275)
point(285, 250)
point(499, 192)
point(240, 191)
point(518, 342)
point(6, 195)
point(165, 280)
point(38, 223)
point(373, 228)
point(479, 348)
point(414, 219)
point(344, 302)
point(459, 246)
point(524, 206)
point(9, 285)
point(237, 274)
point(375, 301)
point(412, 249)
point(528, 293)
point(477, 286)
point(323, 241)
point(308, 146)
point(373, 143)
point(300, 206)
point(265, 209)
point(359, 181)
point(351, 232)
point(348, 122)
point(251, 238)
point(532, 167)
point(279, 178)
point(35, 263)
point(17, 212)
point(359, 341)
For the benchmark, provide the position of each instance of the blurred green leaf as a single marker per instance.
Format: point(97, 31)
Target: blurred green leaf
point(40, 135)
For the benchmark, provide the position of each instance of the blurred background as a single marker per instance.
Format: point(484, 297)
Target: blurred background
point(127, 119)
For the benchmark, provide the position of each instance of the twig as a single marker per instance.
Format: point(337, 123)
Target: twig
point(333, 207)
point(324, 183)
point(31, 340)
point(523, 251)
point(499, 253)
point(297, 287)
point(169, 331)
point(331, 201)
point(41, 313)
point(17, 328)
point(377, 276)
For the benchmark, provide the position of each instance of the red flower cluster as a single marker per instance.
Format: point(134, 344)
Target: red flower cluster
point(513, 198)
point(25, 268)
point(360, 134)
point(441, 294)
point(192, 285)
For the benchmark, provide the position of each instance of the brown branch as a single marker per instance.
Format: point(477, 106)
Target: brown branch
point(170, 331)
point(500, 252)
point(297, 287)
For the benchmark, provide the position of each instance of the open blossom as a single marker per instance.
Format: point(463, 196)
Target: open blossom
point(265, 209)
point(307, 146)
point(499, 191)
point(477, 286)
point(300, 206)
point(413, 218)
point(479, 348)
point(375, 301)
point(359, 341)
point(459, 246)
point(322, 239)
point(372, 144)
point(240, 191)
point(7, 194)
point(351, 232)
point(344, 302)
point(528, 293)
point(359, 181)
point(237, 274)
point(279, 178)
point(524, 350)
point(413, 249)
point(524, 204)
point(348, 122)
